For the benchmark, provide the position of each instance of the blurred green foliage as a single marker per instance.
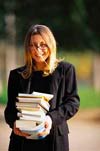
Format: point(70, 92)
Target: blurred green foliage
point(89, 98)
point(75, 23)
point(76, 27)
point(3, 95)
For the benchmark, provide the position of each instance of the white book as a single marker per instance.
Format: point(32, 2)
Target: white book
point(30, 99)
point(46, 96)
point(42, 103)
point(27, 104)
point(33, 118)
point(30, 108)
point(34, 131)
point(30, 130)
point(38, 112)
point(20, 108)
point(26, 124)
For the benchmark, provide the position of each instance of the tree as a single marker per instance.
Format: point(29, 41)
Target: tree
point(74, 23)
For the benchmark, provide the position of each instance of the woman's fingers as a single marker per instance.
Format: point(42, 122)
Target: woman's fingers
point(47, 125)
point(17, 131)
point(20, 133)
point(44, 133)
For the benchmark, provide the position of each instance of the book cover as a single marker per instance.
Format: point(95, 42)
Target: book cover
point(33, 103)
point(26, 124)
point(46, 96)
point(38, 112)
point(32, 110)
point(29, 99)
point(29, 108)
point(37, 118)
point(34, 131)
point(27, 104)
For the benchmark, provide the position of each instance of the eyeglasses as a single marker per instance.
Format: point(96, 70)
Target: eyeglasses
point(40, 46)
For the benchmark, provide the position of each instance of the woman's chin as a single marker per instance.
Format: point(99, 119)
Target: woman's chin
point(39, 59)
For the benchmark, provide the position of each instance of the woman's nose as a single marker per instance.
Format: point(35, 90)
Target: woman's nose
point(39, 50)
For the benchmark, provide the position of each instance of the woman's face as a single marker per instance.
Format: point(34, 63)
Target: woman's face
point(38, 48)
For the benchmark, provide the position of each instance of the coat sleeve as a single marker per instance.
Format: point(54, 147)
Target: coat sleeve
point(70, 102)
point(10, 112)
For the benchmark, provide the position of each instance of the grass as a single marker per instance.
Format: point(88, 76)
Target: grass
point(89, 98)
point(3, 96)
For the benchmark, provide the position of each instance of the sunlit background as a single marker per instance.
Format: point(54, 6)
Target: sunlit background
point(76, 27)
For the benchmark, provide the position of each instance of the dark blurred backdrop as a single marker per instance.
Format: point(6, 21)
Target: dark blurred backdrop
point(75, 23)
point(76, 27)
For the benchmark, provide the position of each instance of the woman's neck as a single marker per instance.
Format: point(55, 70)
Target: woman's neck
point(40, 66)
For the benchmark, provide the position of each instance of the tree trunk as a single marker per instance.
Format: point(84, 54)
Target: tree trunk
point(96, 72)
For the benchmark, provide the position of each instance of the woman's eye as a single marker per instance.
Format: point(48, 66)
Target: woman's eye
point(43, 45)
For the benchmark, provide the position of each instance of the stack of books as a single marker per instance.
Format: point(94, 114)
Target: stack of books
point(32, 112)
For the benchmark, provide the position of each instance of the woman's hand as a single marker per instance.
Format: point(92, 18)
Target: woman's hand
point(17, 131)
point(47, 125)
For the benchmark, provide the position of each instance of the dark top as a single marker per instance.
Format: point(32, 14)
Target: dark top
point(62, 83)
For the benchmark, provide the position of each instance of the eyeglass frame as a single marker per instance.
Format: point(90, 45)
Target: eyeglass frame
point(41, 46)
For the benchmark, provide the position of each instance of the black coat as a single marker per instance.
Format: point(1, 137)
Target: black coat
point(62, 83)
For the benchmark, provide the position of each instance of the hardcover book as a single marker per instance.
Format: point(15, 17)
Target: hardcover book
point(46, 96)
point(34, 131)
point(35, 97)
point(32, 112)
point(24, 124)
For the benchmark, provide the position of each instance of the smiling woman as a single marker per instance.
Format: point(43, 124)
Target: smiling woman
point(40, 46)
point(44, 73)
point(39, 51)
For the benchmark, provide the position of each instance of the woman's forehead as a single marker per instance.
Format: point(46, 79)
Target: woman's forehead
point(36, 38)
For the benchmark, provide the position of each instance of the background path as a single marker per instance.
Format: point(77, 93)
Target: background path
point(84, 131)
